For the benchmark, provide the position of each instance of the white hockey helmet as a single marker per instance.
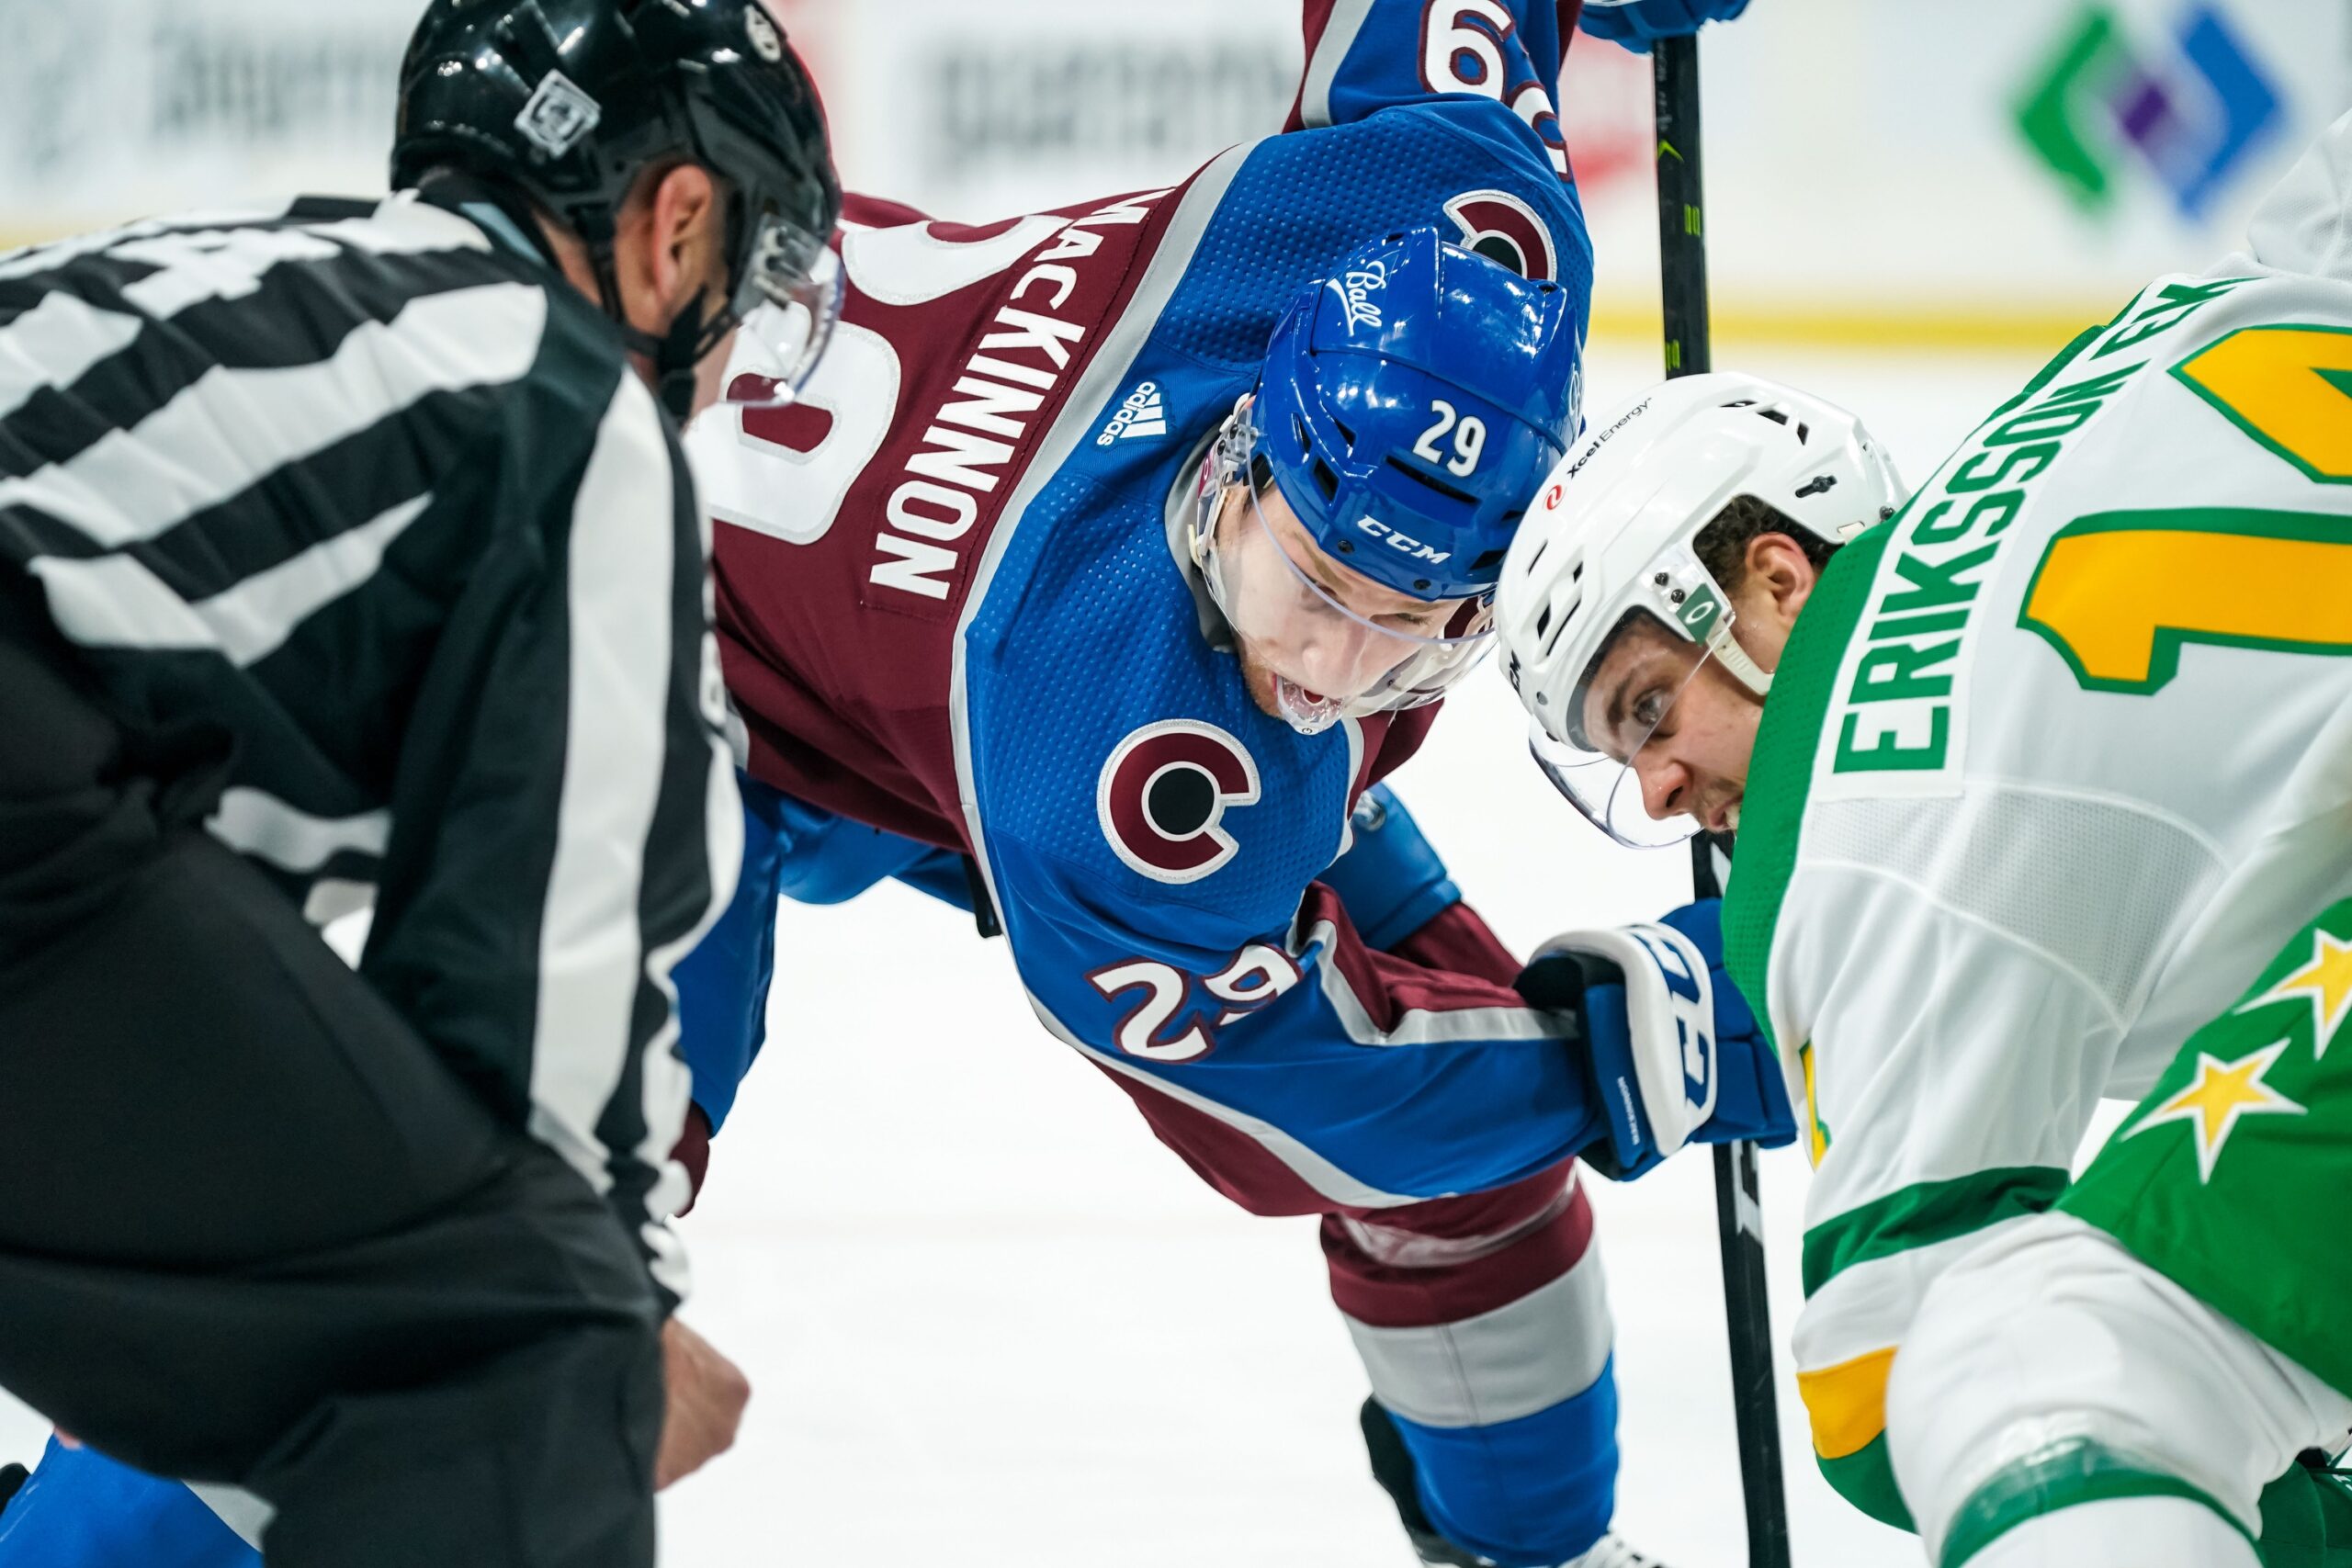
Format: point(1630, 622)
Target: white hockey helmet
point(1609, 536)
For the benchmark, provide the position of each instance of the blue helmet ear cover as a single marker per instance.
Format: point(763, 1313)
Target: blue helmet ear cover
point(1407, 347)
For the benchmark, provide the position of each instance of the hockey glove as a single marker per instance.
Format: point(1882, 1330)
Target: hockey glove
point(1675, 1054)
point(1634, 23)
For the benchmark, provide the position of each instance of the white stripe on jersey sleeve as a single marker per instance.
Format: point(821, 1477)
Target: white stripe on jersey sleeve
point(1415, 1026)
point(202, 264)
point(254, 822)
point(54, 342)
point(620, 560)
point(259, 614)
point(31, 261)
point(1338, 37)
point(115, 601)
point(402, 225)
point(232, 428)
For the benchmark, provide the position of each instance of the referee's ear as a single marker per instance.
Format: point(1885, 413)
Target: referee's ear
point(671, 245)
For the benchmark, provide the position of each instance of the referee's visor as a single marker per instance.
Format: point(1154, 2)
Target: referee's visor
point(787, 295)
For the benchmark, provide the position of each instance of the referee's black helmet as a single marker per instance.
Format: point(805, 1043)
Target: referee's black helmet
point(571, 101)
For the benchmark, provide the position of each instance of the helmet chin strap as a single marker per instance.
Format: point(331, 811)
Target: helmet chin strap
point(676, 353)
point(1734, 658)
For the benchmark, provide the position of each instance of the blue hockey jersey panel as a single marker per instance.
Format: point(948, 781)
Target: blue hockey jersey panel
point(794, 851)
point(82, 1509)
point(1391, 881)
point(1150, 832)
point(1507, 51)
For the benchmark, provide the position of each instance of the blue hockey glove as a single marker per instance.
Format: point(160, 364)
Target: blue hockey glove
point(1676, 1055)
point(1634, 23)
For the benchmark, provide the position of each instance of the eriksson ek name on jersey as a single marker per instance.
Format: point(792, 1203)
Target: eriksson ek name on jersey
point(1003, 385)
point(1899, 697)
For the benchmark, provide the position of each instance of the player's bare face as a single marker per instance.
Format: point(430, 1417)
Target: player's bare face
point(1684, 723)
point(1312, 621)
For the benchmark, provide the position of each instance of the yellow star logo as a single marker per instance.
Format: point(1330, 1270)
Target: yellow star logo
point(2223, 1092)
point(2327, 980)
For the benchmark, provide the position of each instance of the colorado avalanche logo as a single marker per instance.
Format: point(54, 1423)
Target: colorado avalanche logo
point(1503, 228)
point(1163, 793)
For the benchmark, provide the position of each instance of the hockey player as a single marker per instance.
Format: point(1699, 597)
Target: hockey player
point(1066, 374)
point(1117, 552)
point(348, 546)
point(2043, 794)
point(975, 365)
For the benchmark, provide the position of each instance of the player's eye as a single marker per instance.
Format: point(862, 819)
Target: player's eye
point(1649, 709)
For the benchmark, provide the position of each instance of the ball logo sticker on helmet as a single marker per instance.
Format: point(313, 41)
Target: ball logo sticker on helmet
point(1355, 288)
point(1505, 229)
point(1164, 790)
point(766, 43)
point(557, 116)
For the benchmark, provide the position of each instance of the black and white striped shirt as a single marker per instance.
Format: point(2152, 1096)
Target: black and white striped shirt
point(377, 493)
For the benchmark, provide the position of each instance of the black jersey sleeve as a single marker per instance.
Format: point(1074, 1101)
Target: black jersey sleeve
point(565, 754)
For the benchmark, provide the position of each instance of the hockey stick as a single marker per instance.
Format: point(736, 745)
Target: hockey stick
point(1739, 1218)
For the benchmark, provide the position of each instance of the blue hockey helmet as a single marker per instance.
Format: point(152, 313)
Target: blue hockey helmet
point(1411, 402)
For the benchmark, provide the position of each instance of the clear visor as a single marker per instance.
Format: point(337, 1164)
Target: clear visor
point(1341, 645)
point(785, 305)
point(1622, 711)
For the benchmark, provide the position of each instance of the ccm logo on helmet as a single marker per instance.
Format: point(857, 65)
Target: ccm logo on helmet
point(1503, 228)
point(1413, 548)
point(1163, 791)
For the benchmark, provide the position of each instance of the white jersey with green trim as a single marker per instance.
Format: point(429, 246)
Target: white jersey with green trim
point(2056, 761)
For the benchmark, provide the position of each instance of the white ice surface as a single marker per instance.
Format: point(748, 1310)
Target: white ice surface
point(991, 1322)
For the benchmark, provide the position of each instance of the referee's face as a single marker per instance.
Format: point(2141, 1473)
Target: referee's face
point(669, 260)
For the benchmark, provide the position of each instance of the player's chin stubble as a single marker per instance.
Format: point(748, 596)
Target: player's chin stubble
point(1258, 677)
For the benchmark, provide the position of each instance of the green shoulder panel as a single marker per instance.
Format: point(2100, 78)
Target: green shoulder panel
point(1779, 774)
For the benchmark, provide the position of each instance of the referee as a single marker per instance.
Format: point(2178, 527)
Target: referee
point(346, 550)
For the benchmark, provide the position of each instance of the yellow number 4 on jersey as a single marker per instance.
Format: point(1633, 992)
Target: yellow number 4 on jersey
point(2290, 386)
point(2117, 593)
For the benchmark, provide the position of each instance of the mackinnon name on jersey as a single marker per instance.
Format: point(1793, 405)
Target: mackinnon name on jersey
point(1900, 693)
point(1003, 385)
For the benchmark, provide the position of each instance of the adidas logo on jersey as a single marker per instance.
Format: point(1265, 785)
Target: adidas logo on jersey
point(1142, 414)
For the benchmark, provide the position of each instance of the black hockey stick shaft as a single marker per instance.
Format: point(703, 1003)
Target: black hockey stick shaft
point(1739, 1217)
